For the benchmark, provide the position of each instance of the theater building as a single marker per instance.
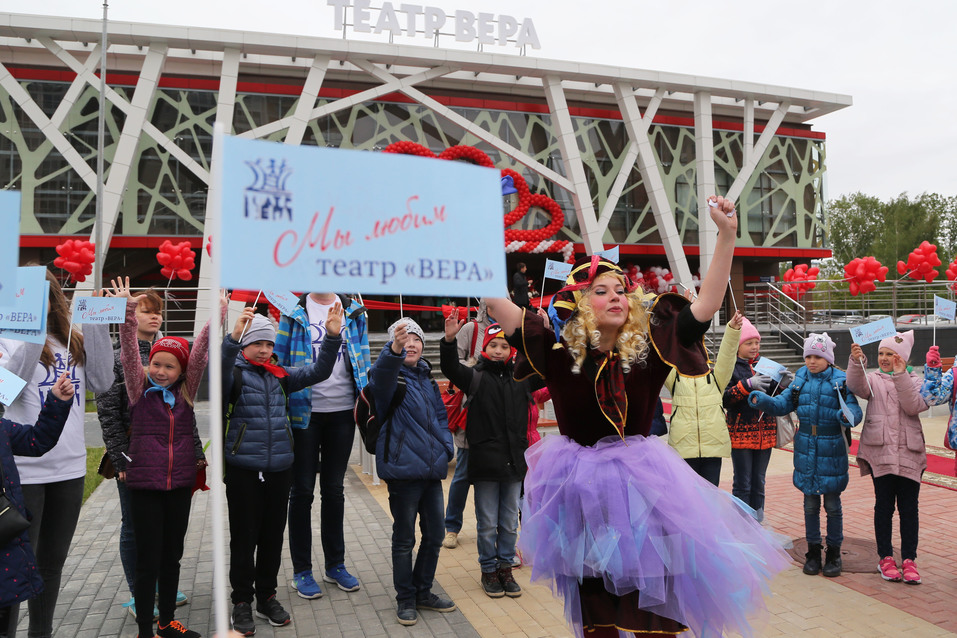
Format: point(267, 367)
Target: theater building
point(628, 154)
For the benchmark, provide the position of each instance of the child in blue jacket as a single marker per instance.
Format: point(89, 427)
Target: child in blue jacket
point(258, 451)
point(412, 455)
point(820, 449)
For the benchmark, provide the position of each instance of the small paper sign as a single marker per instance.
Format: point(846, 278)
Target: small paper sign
point(104, 310)
point(846, 410)
point(9, 245)
point(611, 254)
point(770, 367)
point(32, 336)
point(28, 310)
point(557, 270)
point(284, 300)
point(10, 386)
point(945, 308)
point(873, 331)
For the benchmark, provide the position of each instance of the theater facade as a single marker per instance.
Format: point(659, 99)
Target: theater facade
point(629, 155)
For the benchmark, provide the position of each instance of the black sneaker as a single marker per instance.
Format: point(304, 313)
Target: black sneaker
point(406, 614)
point(435, 603)
point(511, 588)
point(176, 630)
point(243, 622)
point(272, 611)
point(492, 585)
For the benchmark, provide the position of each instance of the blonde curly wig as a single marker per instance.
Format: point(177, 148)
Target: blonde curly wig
point(633, 339)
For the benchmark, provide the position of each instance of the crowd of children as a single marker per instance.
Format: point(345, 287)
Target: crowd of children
point(281, 408)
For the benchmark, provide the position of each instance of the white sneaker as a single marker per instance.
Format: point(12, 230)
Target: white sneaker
point(451, 540)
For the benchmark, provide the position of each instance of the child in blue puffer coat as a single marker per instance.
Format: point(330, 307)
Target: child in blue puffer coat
point(820, 449)
point(258, 450)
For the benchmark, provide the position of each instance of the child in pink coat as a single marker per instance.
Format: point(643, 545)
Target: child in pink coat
point(892, 447)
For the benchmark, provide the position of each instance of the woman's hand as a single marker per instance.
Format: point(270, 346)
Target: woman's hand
point(242, 323)
point(121, 476)
point(857, 354)
point(334, 320)
point(121, 288)
point(737, 320)
point(723, 214)
point(399, 339)
point(63, 388)
point(452, 325)
point(544, 315)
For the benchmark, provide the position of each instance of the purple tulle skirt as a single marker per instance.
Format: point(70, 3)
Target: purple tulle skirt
point(633, 513)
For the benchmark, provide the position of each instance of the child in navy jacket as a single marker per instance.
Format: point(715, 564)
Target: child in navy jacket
point(258, 452)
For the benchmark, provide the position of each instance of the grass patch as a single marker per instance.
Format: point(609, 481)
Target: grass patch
point(93, 479)
point(91, 407)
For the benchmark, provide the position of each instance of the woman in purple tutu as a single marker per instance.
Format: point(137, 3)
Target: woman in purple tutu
point(616, 523)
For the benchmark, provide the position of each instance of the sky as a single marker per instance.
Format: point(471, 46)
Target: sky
point(898, 61)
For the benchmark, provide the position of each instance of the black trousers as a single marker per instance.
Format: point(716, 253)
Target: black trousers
point(160, 519)
point(891, 490)
point(257, 519)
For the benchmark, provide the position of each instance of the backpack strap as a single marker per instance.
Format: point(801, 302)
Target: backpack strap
point(397, 397)
point(473, 387)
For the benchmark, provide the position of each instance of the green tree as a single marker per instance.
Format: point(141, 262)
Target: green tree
point(905, 224)
point(853, 224)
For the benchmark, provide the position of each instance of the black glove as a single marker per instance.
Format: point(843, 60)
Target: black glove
point(759, 382)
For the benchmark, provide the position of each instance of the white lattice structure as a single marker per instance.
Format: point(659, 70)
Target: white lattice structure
point(422, 75)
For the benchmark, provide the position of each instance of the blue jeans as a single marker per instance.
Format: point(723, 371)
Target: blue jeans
point(127, 539)
point(458, 492)
point(496, 515)
point(408, 500)
point(750, 468)
point(333, 434)
point(835, 519)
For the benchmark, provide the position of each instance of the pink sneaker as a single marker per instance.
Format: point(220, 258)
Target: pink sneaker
point(911, 575)
point(889, 571)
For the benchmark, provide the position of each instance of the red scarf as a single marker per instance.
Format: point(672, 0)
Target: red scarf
point(276, 370)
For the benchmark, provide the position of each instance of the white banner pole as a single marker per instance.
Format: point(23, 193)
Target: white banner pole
point(215, 475)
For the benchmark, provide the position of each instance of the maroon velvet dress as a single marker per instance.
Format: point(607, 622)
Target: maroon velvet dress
point(676, 341)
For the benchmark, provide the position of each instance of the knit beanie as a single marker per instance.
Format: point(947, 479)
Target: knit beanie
point(748, 331)
point(176, 346)
point(820, 345)
point(410, 326)
point(901, 344)
point(259, 329)
point(494, 331)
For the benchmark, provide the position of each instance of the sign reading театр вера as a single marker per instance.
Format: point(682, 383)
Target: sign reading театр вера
point(308, 218)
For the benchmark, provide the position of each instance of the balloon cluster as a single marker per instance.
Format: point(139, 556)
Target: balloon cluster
point(861, 274)
point(951, 274)
point(799, 280)
point(526, 199)
point(921, 263)
point(177, 260)
point(657, 279)
point(76, 257)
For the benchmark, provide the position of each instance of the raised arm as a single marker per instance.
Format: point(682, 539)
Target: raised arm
point(715, 283)
point(199, 353)
point(99, 357)
point(506, 313)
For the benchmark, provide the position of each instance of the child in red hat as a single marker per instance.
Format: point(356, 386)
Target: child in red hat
point(161, 463)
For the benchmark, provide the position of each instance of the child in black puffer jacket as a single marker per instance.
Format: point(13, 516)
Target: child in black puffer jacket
point(497, 433)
